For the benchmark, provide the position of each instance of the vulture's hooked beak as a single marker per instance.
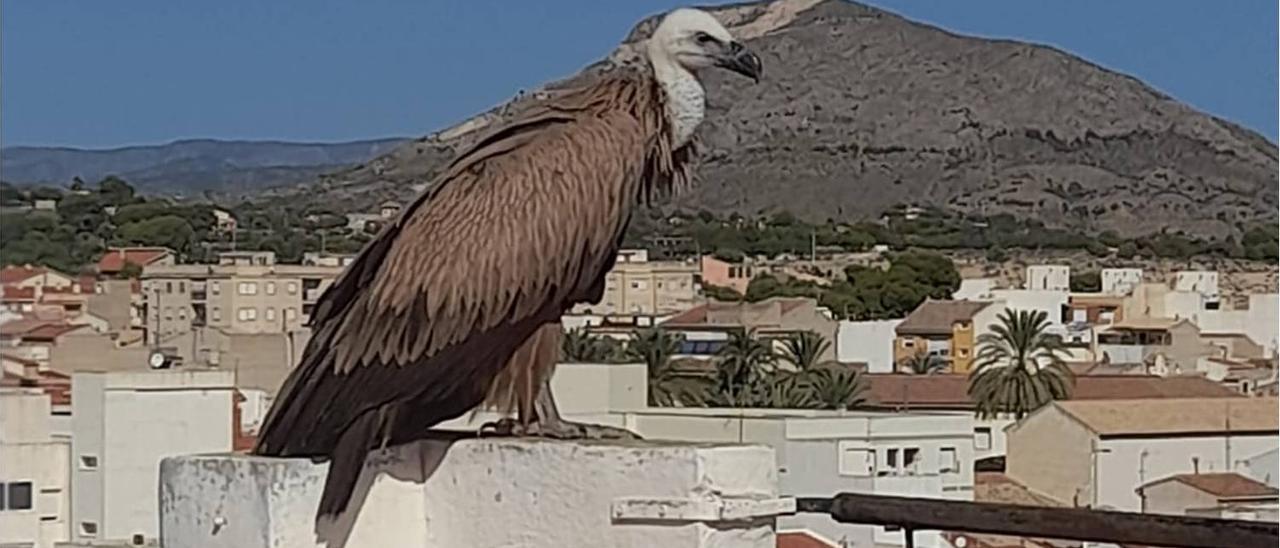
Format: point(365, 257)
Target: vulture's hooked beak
point(740, 60)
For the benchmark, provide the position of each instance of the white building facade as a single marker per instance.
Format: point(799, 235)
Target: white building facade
point(869, 342)
point(34, 494)
point(821, 453)
point(123, 424)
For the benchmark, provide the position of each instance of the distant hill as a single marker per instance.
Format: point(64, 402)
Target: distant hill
point(861, 109)
point(189, 166)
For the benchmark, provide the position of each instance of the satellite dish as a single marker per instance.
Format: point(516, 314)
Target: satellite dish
point(158, 360)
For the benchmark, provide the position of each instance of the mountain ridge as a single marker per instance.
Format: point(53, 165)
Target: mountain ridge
point(189, 165)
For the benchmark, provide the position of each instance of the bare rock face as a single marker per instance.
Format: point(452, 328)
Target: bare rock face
point(861, 109)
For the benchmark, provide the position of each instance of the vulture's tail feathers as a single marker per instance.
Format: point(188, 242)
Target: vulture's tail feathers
point(345, 464)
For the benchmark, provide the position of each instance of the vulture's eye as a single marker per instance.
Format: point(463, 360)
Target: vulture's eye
point(703, 38)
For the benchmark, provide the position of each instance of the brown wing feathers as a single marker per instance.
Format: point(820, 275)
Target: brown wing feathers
point(421, 326)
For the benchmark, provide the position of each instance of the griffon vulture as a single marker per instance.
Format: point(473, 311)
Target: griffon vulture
point(458, 301)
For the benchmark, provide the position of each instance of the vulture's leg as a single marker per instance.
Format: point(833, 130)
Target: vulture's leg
point(549, 423)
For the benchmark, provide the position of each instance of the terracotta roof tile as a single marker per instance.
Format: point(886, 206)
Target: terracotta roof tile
point(802, 539)
point(16, 274)
point(115, 258)
point(1172, 416)
point(936, 317)
point(950, 391)
point(1226, 485)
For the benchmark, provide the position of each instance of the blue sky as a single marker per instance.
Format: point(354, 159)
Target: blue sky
point(105, 74)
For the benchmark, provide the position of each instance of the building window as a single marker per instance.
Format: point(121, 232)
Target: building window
point(19, 495)
point(911, 460)
point(168, 312)
point(248, 288)
point(88, 528)
point(2, 498)
point(182, 287)
point(290, 313)
point(962, 352)
point(216, 314)
point(168, 287)
point(855, 462)
point(271, 313)
point(982, 438)
point(88, 462)
point(908, 343)
point(182, 313)
point(637, 285)
point(291, 287)
point(271, 288)
point(889, 463)
point(215, 287)
point(247, 314)
point(947, 461)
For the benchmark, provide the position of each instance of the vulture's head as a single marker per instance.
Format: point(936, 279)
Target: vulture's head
point(694, 40)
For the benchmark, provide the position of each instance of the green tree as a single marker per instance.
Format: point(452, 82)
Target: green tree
point(804, 350)
point(115, 191)
point(168, 231)
point(1019, 367)
point(1086, 282)
point(839, 387)
point(922, 363)
point(744, 364)
point(579, 346)
point(668, 386)
point(721, 293)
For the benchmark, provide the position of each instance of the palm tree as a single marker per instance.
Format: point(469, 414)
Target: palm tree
point(579, 346)
point(668, 387)
point(1018, 367)
point(743, 369)
point(922, 364)
point(838, 387)
point(804, 349)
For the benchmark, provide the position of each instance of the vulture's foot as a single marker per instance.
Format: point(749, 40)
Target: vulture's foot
point(567, 430)
point(558, 429)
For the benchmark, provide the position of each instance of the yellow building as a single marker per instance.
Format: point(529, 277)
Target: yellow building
point(636, 285)
point(945, 329)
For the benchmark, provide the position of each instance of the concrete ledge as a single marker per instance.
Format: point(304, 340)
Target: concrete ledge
point(484, 492)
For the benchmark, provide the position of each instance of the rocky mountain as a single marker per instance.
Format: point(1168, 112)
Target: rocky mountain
point(861, 109)
point(189, 166)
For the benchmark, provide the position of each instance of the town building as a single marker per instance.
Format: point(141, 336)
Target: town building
point(819, 453)
point(705, 328)
point(868, 342)
point(949, 392)
point(1048, 277)
point(636, 285)
point(34, 491)
point(122, 425)
point(720, 273)
point(245, 292)
point(945, 329)
point(114, 261)
point(1098, 453)
point(1222, 495)
point(224, 221)
point(1120, 281)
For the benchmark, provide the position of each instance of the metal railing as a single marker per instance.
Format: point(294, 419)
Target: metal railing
point(915, 514)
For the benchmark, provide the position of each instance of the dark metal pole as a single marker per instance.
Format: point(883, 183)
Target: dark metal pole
point(1044, 522)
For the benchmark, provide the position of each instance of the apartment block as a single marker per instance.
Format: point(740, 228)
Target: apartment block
point(636, 285)
point(245, 292)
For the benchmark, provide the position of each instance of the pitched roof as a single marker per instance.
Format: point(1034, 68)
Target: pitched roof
point(115, 258)
point(936, 317)
point(1224, 485)
point(16, 274)
point(803, 539)
point(14, 293)
point(950, 391)
point(50, 331)
point(999, 488)
point(1174, 416)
